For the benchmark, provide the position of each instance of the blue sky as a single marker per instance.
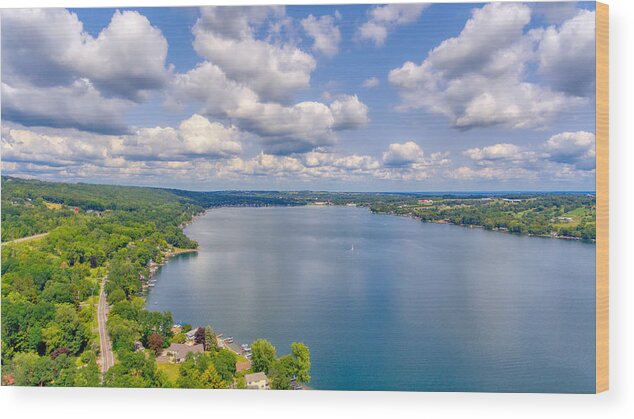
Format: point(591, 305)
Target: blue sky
point(427, 97)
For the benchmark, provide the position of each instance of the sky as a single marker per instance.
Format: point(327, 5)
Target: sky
point(416, 97)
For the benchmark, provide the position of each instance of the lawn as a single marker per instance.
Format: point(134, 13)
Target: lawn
point(171, 370)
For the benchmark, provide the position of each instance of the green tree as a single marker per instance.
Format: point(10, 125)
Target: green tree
point(263, 355)
point(225, 363)
point(301, 356)
point(211, 379)
point(211, 344)
point(282, 373)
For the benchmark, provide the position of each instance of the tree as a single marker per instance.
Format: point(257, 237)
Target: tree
point(155, 342)
point(211, 379)
point(88, 375)
point(263, 355)
point(210, 339)
point(282, 373)
point(199, 336)
point(301, 356)
point(135, 370)
point(225, 363)
point(178, 338)
point(30, 369)
point(116, 295)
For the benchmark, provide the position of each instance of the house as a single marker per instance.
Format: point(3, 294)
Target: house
point(257, 381)
point(426, 201)
point(243, 365)
point(179, 351)
point(191, 335)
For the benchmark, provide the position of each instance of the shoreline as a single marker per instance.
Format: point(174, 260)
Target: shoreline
point(497, 230)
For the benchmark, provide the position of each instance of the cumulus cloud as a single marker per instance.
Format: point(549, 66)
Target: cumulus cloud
point(195, 138)
point(78, 105)
point(226, 37)
point(494, 152)
point(283, 129)
point(479, 77)
point(326, 35)
point(567, 55)
point(383, 19)
point(573, 148)
point(348, 112)
point(47, 53)
point(405, 154)
point(560, 156)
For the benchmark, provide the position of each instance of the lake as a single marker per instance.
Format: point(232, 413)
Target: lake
point(391, 303)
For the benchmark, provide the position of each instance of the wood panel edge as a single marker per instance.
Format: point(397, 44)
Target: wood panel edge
point(602, 197)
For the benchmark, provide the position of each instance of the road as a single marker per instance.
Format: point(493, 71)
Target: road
point(105, 346)
point(24, 239)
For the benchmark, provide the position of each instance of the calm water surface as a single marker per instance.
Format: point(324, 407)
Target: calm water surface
point(414, 306)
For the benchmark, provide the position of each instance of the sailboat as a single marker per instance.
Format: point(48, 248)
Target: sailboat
point(352, 248)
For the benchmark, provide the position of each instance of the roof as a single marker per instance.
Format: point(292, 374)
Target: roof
point(181, 350)
point(257, 376)
point(243, 366)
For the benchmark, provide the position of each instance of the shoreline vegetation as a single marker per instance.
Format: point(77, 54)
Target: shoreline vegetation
point(50, 288)
point(85, 232)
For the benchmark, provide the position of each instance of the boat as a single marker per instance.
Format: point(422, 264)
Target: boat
point(229, 339)
point(352, 248)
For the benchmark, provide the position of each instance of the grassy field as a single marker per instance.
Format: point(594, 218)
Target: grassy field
point(171, 370)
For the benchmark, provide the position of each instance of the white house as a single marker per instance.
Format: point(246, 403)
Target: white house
point(257, 381)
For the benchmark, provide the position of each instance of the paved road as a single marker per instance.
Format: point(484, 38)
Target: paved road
point(107, 357)
point(24, 239)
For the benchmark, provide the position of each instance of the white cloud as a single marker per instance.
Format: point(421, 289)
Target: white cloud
point(559, 156)
point(383, 19)
point(195, 138)
point(567, 55)
point(348, 112)
point(225, 36)
point(80, 81)
point(325, 34)
point(405, 154)
point(78, 105)
point(371, 82)
point(573, 148)
point(283, 129)
point(48, 47)
point(494, 152)
point(478, 78)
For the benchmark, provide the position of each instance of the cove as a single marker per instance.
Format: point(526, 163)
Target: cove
point(391, 303)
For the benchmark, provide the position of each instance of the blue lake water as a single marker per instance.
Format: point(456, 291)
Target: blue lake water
point(414, 306)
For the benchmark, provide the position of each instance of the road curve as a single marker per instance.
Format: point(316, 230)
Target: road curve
point(24, 239)
point(105, 346)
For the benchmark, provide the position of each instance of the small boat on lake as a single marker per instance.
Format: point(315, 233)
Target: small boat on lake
point(229, 339)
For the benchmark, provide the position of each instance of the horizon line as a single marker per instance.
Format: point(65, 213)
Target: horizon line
point(436, 192)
